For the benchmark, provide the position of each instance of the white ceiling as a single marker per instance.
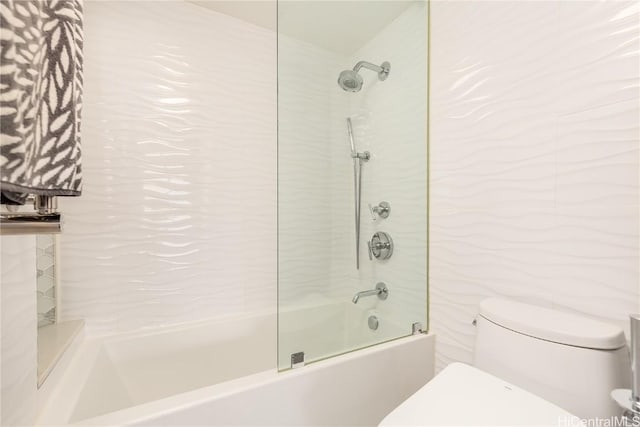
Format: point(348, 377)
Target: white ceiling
point(259, 12)
point(340, 26)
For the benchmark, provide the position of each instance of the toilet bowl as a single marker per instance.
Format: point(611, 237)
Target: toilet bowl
point(542, 363)
point(464, 395)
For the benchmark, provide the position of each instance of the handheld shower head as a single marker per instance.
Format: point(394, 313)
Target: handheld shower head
point(350, 130)
point(351, 81)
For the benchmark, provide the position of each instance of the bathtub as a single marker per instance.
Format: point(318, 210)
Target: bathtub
point(223, 373)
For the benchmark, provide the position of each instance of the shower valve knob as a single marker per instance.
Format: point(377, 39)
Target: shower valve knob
point(383, 209)
point(380, 246)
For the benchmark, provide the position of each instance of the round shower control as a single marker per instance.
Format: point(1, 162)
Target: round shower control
point(380, 246)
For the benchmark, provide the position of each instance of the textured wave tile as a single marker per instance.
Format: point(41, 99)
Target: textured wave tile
point(534, 157)
point(177, 221)
point(306, 112)
point(19, 351)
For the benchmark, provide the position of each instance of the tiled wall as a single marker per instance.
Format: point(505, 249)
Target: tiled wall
point(18, 320)
point(311, 128)
point(177, 221)
point(534, 160)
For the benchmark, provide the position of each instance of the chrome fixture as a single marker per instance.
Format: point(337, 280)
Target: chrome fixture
point(364, 156)
point(416, 328)
point(45, 204)
point(380, 246)
point(45, 220)
point(380, 290)
point(374, 323)
point(629, 400)
point(383, 209)
point(351, 81)
point(297, 360)
point(358, 159)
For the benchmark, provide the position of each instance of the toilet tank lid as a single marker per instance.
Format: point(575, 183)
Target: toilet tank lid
point(552, 325)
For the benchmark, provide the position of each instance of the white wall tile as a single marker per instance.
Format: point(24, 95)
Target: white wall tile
point(19, 323)
point(177, 221)
point(310, 109)
point(534, 160)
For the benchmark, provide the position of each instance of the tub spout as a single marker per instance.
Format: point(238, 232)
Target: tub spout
point(380, 290)
point(357, 296)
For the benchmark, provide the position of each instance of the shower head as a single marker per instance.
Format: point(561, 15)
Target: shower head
point(351, 81)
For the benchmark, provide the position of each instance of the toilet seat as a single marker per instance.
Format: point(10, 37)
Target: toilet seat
point(464, 395)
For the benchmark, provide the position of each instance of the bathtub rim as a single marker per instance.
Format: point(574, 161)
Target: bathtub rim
point(185, 400)
point(70, 375)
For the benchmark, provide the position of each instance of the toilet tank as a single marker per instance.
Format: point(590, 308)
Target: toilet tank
point(567, 359)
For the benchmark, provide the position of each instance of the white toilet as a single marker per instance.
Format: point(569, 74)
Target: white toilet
point(462, 395)
point(545, 363)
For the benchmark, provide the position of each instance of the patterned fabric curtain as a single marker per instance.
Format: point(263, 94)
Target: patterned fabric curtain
point(40, 98)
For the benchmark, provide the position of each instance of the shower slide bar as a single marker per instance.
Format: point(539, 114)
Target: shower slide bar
point(358, 159)
point(45, 220)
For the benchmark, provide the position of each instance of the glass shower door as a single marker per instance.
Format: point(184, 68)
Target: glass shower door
point(352, 175)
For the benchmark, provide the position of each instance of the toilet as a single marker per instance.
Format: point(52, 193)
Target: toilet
point(540, 360)
point(462, 395)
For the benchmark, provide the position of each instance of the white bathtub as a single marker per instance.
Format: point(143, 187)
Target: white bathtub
point(224, 373)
